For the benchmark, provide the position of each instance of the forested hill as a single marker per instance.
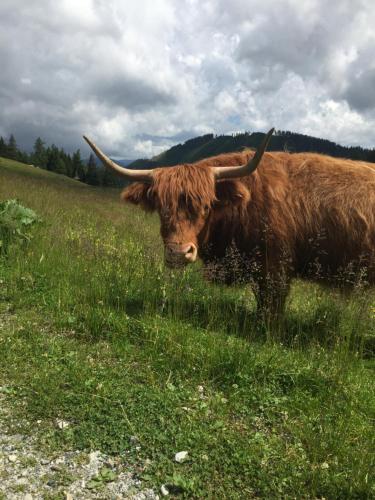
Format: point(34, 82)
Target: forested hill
point(210, 145)
point(91, 171)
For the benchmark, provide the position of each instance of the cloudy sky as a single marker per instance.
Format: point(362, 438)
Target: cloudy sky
point(141, 75)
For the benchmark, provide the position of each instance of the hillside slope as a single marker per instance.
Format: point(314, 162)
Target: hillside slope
point(32, 172)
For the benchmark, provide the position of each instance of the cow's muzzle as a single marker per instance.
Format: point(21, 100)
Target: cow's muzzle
point(177, 255)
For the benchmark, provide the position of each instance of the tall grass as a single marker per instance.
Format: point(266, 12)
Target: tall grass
point(103, 335)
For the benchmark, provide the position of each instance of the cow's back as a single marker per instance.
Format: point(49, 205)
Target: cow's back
point(320, 208)
point(333, 205)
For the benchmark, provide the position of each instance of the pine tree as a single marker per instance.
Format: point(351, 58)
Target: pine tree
point(69, 165)
point(52, 158)
point(371, 156)
point(60, 166)
point(3, 147)
point(39, 155)
point(78, 168)
point(12, 152)
point(108, 178)
point(92, 176)
point(67, 162)
point(23, 157)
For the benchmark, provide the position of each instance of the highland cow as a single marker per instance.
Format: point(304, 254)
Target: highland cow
point(299, 215)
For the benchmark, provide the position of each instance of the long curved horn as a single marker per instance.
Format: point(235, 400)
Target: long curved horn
point(242, 170)
point(134, 175)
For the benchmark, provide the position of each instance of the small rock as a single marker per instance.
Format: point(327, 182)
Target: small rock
point(44, 461)
point(28, 496)
point(164, 490)
point(62, 424)
point(68, 496)
point(181, 456)
point(200, 389)
point(12, 458)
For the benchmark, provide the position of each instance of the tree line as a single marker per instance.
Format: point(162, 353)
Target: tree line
point(57, 160)
point(210, 145)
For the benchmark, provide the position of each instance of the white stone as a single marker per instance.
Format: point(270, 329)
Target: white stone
point(181, 456)
point(164, 490)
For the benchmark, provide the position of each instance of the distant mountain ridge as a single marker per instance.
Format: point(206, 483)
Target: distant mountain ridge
point(123, 162)
point(211, 145)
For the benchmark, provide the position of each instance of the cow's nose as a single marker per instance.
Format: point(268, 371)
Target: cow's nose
point(190, 252)
point(180, 254)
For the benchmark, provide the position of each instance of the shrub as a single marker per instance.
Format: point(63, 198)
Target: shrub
point(15, 224)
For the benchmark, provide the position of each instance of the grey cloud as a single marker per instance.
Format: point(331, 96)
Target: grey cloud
point(141, 76)
point(298, 36)
point(361, 91)
point(129, 92)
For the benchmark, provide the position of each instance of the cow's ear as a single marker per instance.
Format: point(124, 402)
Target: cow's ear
point(232, 192)
point(139, 194)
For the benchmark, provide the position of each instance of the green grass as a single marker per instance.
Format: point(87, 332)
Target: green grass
point(144, 362)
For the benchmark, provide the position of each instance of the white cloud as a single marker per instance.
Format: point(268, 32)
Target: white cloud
point(136, 75)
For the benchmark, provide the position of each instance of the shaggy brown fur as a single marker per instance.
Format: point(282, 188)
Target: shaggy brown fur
point(304, 215)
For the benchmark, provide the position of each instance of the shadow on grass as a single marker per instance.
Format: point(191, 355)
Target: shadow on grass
point(327, 324)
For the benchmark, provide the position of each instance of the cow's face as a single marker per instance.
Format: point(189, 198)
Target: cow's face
point(183, 196)
point(180, 231)
point(186, 197)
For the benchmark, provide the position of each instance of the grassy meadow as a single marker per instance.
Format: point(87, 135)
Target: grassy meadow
point(144, 362)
